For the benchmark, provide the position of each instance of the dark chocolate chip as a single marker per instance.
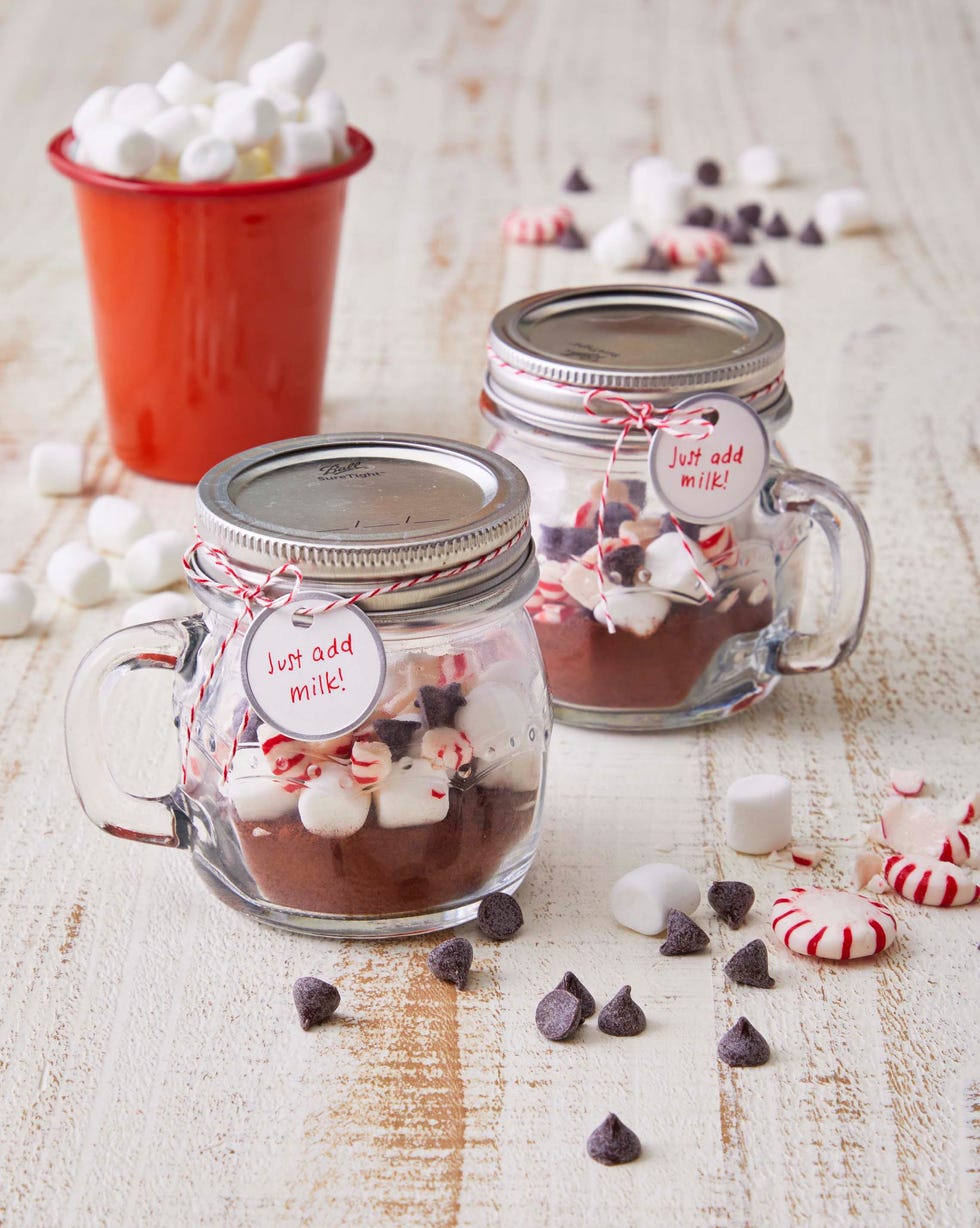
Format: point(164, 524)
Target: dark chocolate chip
point(451, 961)
point(731, 900)
point(762, 275)
point(751, 214)
point(750, 966)
point(315, 1000)
point(740, 233)
point(684, 936)
point(811, 234)
point(703, 216)
point(621, 1016)
point(499, 916)
point(708, 172)
point(637, 490)
point(622, 564)
point(439, 704)
point(571, 984)
point(562, 543)
point(558, 1015)
point(576, 181)
point(656, 261)
point(396, 735)
point(724, 224)
point(572, 239)
point(614, 516)
point(777, 228)
point(613, 1143)
point(707, 274)
point(743, 1045)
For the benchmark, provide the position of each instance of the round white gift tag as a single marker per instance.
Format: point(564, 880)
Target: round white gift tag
point(709, 480)
point(313, 676)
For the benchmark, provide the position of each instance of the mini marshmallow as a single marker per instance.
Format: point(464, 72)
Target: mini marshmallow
point(115, 524)
point(325, 109)
point(297, 67)
point(641, 899)
point(633, 609)
point(207, 159)
point(759, 814)
point(659, 194)
point(182, 85)
point(288, 104)
point(118, 149)
point(672, 568)
point(96, 109)
point(160, 607)
point(135, 104)
point(581, 583)
point(155, 561)
point(245, 118)
point(255, 793)
point(173, 130)
point(16, 605)
point(761, 166)
point(620, 244)
point(57, 468)
point(301, 147)
point(204, 116)
point(333, 804)
point(415, 793)
point(843, 211)
point(79, 575)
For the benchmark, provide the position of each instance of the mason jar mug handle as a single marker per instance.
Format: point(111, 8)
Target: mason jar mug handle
point(794, 491)
point(157, 645)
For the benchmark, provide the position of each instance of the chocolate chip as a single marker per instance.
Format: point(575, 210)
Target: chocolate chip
point(702, 216)
point(439, 704)
point(811, 234)
point(315, 1000)
point(396, 735)
point(656, 261)
point(451, 961)
point(707, 274)
point(708, 172)
point(576, 181)
point(622, 564)
point(751, 214)
point(684, 936)
point(740, 233)
point(572, 239)
point(562, 543)
point(750, 966)
point(621, 1016)
point(762, 275)
point(571, 984)
point(613, 1143)
point(637, 491)
point(558, 1014)
point(742, 1045)
point(499, 916)
point(777, 228)
point(731, 901)
point(614, 516)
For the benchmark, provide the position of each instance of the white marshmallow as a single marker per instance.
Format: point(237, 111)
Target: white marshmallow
point(297, 67)
point(181, 84)
point(333, 804)
point(761, 166)
point(415, 793)
point(159, 607)
point(495, 718)
point(634, 609)
point(173, 130)
point(581, 583)
point(118, 149)
point(759, 814)
point(135, 104)
point(257, 795)
point(245, 118)
point(79, 575)
point(659, 193)
point(325, 109)
point(204, 116)
point(224, 87)
point(671, 567)
point(620, 244)
point(16, 605)
point(155, 561)
point(288, 104)
point(843, 211)
point(301, 147)
point(57, 468)
point(115, 523)
point(641, 899)
point(96, 109)
point(207, 159)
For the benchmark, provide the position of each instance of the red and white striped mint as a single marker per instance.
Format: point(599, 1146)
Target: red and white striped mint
point(906, 782)
point(447, 748)
point(914, 830)
point(831, 923)
point(288, 757)
point(554, 614)
point(689, 244)
point(370, 763)
point(458, 667)
point(717, 543)
point(967, 810)
point(537, 225)
point(925, 881)
point(798, 856)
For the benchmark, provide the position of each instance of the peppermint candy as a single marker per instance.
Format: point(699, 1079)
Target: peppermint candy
point(916, 831)
point(691, 244)
point(537, 225)
point(925, 881)
point(448, 748)
point(905, 782)
point(831, 923)
point(370, 763)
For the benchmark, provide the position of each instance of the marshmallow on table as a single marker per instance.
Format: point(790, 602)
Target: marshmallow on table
point(620, 244)
point(160, 607)
point(659, 192)
point(79, 575)
point(96, 109)
point(207, 159)
point(672, 568)
point(641, 899)
point(256, 794)
point(16, 605)
point(843, 211)
point(245, 118)
point(301, 147)
point(118, 149)
point(333, 804)
point(174, 129)
point(115, 523)
point(759, 814)
point(135, 104)
point(761, 166)
point(415, 793)
point(326, 109)
point(297, 67)
point(181, 84)
point(155, 561)
point(57, 468)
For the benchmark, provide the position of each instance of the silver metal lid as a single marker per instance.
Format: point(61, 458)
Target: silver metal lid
point(655, 343)
point(363, 510)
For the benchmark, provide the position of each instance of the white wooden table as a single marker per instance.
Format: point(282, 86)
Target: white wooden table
point(151, 1067)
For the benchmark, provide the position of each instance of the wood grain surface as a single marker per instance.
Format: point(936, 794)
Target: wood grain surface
point(151, 1067)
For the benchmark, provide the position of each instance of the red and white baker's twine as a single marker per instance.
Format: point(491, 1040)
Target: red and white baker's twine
point(257, 593)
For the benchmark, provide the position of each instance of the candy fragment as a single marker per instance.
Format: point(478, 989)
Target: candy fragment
point(906, 782)
point(79, 575)
point(621, 1016)
point(16, 605)
point(613, 1143)
point(573, 985)
point(910, 828)
point(798, 855)
point(537, 226)
point(926, 881)
point(759, 813)
point(370, 763)
point(743, 1045)
point(558, 1015)
point(641, 899)
point(761, 166)
point(499, 916)
point(315, 1001)
point(57, 468)
point(684, 936)
point(451, 961)
point(620, 244)
point(447, 748)
point(731, 901)
point(750, 966)
point(831, 923)
point(866, 867)
point(690, 244)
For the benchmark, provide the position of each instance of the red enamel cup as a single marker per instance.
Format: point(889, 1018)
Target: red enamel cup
point(211, 306)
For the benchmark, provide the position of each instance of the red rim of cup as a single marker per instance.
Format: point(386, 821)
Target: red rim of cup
point(361, 153)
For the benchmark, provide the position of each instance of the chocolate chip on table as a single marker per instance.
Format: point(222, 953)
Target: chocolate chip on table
point(573, 985)
point(743, 1045)
point(315, 1000)
point(558, 1015)
point(751, 213)
point(451, 961)
point(439, 704)
point(750, 966)
point(777, 228)
point(499, 916)
point(684, 936)
point(396, 735)
point(621, 1016)
point(572, 239)
point(811, 234)
point(613, 1143)
point(702, 216)
point(707, 274)
point(740, 233)
point(576, 181)
point(731, 900)
point(762, 275)
point(656, 261)
point(708, 172)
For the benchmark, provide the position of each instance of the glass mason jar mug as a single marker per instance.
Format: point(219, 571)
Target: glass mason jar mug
point(672, 613)
point(353, 768)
